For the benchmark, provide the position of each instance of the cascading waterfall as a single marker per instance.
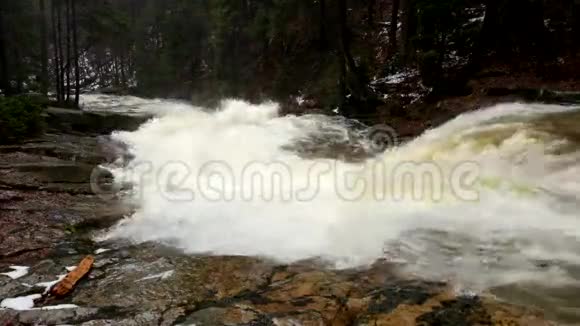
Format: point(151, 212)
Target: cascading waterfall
point(487, 199)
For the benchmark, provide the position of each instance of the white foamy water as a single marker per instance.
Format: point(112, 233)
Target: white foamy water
point(504, 209)
point(131, 105)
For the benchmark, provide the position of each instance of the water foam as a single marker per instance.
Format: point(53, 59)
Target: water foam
point(525, 213)
point(130, 105)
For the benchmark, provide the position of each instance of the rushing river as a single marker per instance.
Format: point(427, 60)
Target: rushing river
point(489, 201)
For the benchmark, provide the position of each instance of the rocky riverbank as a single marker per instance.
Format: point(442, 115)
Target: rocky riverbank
point(49, 217)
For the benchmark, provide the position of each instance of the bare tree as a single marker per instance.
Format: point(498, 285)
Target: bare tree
point(56, 49)
point(344, 36)
point(394, 27)
point(371, 12)
point(60, 50)
point(76, 52)
point(408, 29)
point(349, 75)
point(43, 48)
point(68, 28)
point(322, 24)
point(576, 19)
point(4, 79)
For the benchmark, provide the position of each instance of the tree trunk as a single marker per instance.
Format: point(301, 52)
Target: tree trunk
point(245, 9)
point(56, 48)
point(345, 37)
point(350, 79)
point(116, 69)
point(123, 69)
point(60, 52)
point(576, 21)
point(4, 79)
point(513, 28)
point(322, 42)
point(43, 48)
point(408, 30)
point(341, 80)
point(394, 28)
point(486, 43)
point(18, 74)
point(371, 12)
point(490, 24)
point(68, 49)
point(343, 41)
point(76, 53)
point(576, 18)
point(539, 41)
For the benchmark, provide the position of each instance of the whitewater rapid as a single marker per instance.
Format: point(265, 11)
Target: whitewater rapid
point(501, 207)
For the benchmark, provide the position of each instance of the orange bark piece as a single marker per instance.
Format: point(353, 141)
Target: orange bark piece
point(63, 287)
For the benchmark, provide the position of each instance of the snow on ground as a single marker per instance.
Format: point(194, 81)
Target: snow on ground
point(162, 276)
point(101, 250)
point(20, 303)
point(60, 306)
point(17, 272)
point(397, 78)
point(27, 303)
point(478, 19)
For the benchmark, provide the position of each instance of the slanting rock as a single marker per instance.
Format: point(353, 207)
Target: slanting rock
point(46, 196)
point(235, 315)
point(47, 317)
point(90, 123)
point(149, 280)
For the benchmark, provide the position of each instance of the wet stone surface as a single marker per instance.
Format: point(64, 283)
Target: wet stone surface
point(152, 285)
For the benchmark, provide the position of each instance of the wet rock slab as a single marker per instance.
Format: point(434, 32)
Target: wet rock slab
point(91, 123)
point(46, 197)
point(149, 284)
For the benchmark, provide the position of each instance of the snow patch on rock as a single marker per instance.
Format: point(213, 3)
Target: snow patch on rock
point(20, 303)
point(101, 250)
point(17, 272)
point(162, 276)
